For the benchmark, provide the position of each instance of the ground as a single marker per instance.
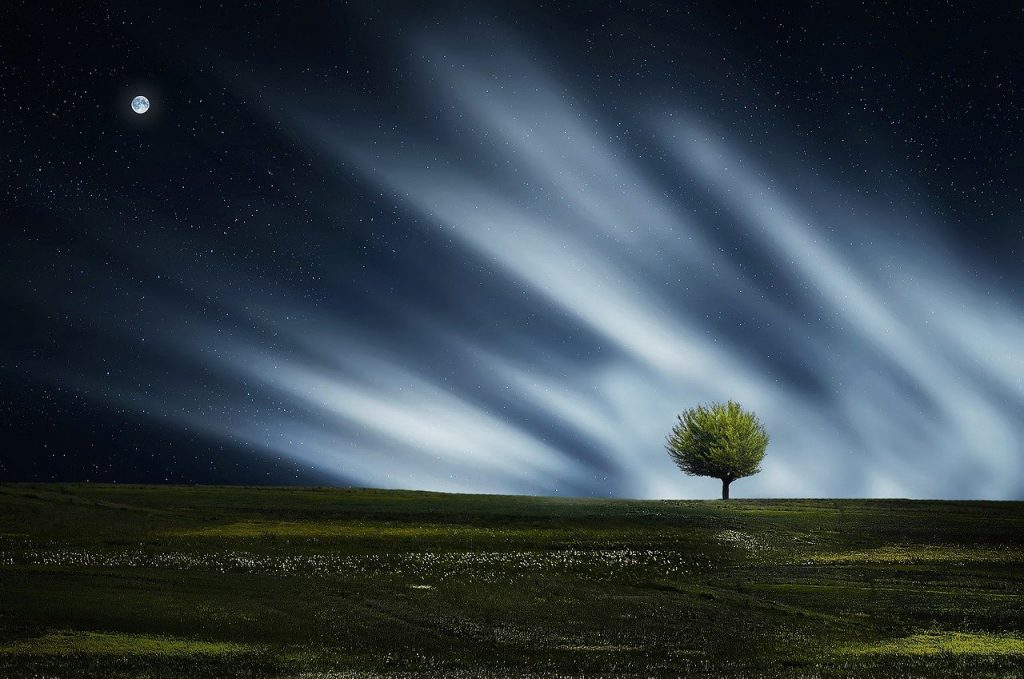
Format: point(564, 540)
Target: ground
point(134, 581)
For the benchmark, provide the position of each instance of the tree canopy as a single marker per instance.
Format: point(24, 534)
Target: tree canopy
point(719, 440)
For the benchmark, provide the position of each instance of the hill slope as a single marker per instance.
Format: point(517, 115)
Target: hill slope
point(172, 581)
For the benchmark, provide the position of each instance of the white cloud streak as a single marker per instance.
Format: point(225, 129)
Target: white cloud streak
point(918, 383)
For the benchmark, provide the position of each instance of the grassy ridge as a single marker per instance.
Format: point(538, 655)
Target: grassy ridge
point(140, 581)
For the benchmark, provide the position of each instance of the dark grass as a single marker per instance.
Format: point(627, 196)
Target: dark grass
point(133, 581)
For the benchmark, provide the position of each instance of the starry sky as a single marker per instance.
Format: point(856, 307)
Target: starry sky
point(497, 248)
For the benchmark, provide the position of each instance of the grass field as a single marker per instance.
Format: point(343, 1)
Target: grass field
point(133, 581)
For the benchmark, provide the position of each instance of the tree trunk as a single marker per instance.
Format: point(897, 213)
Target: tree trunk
point(725, 488)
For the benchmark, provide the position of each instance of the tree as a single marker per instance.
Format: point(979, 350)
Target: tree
point(720, 440)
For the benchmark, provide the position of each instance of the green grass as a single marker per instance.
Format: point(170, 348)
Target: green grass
point(902, 554)
point(135, 581)
point(955, 643)
point(100, 643)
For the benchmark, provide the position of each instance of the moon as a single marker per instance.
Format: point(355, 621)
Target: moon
point(140, 104)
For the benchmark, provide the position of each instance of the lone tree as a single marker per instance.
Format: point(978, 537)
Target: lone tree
point(720, 440)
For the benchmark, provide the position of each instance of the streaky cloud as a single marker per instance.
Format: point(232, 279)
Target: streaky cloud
point(610, 292)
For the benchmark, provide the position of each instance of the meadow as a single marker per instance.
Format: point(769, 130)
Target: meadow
point(170, 581)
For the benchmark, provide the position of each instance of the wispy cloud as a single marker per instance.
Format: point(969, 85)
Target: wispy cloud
point(647, 287)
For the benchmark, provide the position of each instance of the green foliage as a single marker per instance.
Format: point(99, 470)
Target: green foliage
point(720, 440)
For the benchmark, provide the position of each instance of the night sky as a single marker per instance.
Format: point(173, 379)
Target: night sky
point(498, 248)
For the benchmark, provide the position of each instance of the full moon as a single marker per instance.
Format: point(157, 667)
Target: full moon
point(140, 104)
